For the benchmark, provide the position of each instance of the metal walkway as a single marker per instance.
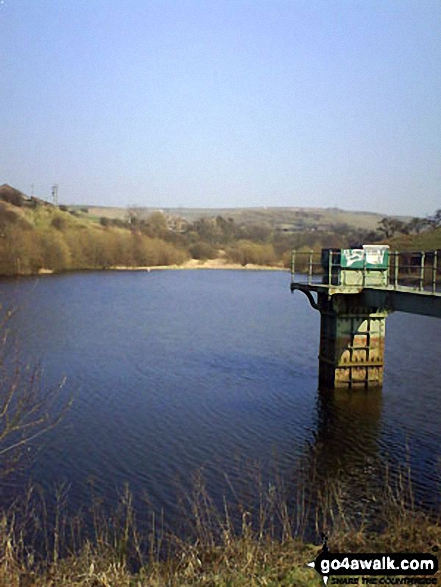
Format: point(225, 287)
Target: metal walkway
point(355, 290)
point(409, 282)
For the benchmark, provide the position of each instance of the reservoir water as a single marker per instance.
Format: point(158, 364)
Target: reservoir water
point(172, 372)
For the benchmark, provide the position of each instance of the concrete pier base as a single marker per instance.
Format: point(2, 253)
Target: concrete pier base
point(351, 343)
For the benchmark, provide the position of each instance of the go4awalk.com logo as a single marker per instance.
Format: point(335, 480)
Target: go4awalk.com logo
point(375, 569)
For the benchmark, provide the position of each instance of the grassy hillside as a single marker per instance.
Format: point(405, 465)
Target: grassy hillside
point(35, 237)
point(272, 216)
point(426, 241)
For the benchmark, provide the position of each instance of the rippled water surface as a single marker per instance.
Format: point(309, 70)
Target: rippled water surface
point(172, 371)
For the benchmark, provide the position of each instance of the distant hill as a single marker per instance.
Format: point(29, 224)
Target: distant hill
point(285, 219)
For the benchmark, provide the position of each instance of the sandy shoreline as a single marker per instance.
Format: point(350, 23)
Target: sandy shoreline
point(208, 264)
point(191, 264)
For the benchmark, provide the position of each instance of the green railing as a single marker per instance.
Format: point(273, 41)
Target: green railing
point(418, 271)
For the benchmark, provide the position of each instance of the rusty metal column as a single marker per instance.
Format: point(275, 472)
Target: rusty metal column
point(352, 340)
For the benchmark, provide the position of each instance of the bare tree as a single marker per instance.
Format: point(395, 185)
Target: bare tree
point(390, 226)
point(417, 225)
point(435, 219)
point(27, 408)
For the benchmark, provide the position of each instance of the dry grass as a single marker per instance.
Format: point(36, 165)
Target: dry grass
point(429, 240)
point(222, 546)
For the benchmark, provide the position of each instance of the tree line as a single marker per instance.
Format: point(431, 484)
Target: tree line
point(36, 236)
point(55, 241)
point(389, 227)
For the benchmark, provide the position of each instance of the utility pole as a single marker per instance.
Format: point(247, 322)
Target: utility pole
point(54, 194)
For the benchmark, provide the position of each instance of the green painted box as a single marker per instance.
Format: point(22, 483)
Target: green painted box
point(369, 257)
point(357, 267)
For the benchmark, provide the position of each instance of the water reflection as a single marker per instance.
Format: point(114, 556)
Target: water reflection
point(345, 456)
point(348, 428)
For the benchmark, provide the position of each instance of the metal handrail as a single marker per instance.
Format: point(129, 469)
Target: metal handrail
point(409, 270)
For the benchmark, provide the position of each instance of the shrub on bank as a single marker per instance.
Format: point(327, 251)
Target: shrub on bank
point(203, 251)
point(54, 251)
point(11, 195)
point(57, 245)
point(20, 253)
point(247, 252)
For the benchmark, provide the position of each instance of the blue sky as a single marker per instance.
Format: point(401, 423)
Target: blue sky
point(224, 103)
